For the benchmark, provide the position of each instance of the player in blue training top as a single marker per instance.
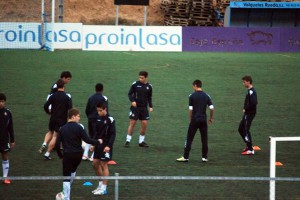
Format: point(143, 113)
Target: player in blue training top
point(61, 103)
point(140, 96)
point(7, 139)
point(70, 137)
point(249, 111)
point(92, 115)
point(198, 102)
point(66, 76)
point(106, 131)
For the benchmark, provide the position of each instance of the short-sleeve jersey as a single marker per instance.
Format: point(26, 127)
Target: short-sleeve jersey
point(198, 102)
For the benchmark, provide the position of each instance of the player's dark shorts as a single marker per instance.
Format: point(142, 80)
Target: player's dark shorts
point(55, 124)
point(4, 147)
point(140, 113)
point(99, 154)
point(71, 160)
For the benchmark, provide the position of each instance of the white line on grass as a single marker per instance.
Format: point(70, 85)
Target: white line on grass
point(288, 56)
point(128, 53)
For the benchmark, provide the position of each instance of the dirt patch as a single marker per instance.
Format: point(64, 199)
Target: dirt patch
point(84, 11)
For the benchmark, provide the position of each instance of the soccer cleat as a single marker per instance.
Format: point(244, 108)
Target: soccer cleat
point(91, 159)
point(182, 159)
point(85, 158)
point(42, 149)
point(143, 144)
point(6, 181)
point(100, 192)
point(248, 152)
point(47, 157)
point(126, 144)
point(204, 160)
point(245, 149)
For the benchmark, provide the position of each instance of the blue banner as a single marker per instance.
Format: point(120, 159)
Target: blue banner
point(257, 4)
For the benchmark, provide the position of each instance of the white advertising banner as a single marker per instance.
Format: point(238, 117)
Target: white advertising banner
point(68, 36)
point(132, 38)
point(19, 35)
point(16, 35)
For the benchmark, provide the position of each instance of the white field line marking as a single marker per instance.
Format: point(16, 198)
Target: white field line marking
point(288, 56)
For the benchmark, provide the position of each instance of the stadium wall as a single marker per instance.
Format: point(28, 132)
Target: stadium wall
point(151, 38)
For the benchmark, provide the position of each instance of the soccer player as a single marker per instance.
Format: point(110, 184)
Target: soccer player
point(92, 115)
point(7, 139)
point(198, 102)
point(249, 111)
point(61, 103)
point(106, 131)
point(66, 77)
point(70, 137)
point(140, 95)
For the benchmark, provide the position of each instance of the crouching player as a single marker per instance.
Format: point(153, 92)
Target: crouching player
point(70, 136)
point(106, 132)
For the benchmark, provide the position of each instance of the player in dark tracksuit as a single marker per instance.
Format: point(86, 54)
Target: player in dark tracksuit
point(66, 76)
point(7, 139)
point(70, 136)
point(61, 103)
point(140, 96)
point(92, 115)
point(106, 131)
point(248, 116)
point(198, 102)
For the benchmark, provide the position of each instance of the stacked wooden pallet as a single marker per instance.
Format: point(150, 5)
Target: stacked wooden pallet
point(176, 12)
point(201, 13)
point(188, 12)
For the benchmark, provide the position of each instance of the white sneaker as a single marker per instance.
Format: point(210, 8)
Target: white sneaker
point(204, 160)
point(95, 190)
point(100, 192)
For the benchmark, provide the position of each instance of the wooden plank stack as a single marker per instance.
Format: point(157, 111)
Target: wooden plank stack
point(201, 13)
point(188, 12)
point(176, 12)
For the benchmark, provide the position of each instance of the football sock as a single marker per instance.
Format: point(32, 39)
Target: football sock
point(44, 144)
point(86, 150)
point(141, 138)
point(67, 190)
point(100, 183)
point(47, 154)
point(128, 138)
point(103, 187)
point(72, 177)
point(5, 167)
point(92, 156)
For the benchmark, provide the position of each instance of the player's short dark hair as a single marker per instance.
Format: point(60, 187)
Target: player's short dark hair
point(73, 112)
point(99, 87)
point(101, 104)
point(66, 74)
point(143, 73)
point(247, 78)
point(198, 83)
point(2, 97)
point(60, 83)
